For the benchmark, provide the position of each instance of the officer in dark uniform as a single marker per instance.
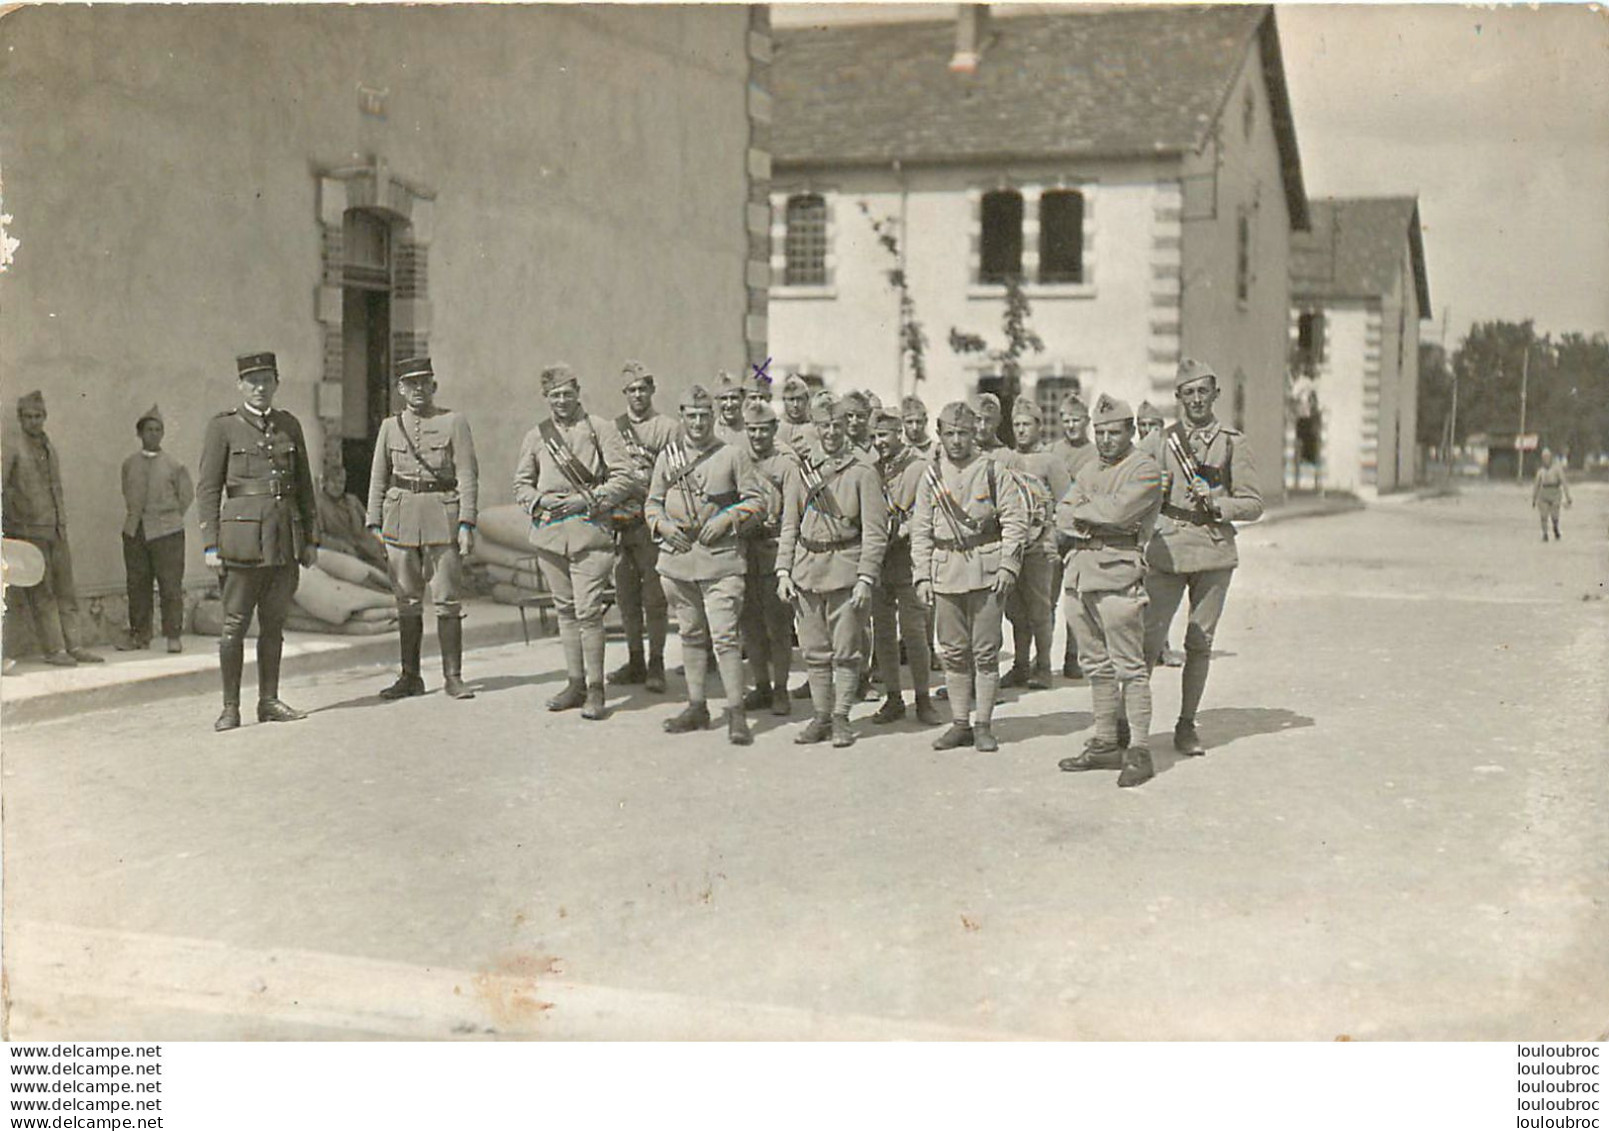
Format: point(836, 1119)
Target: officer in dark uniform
point(259, 523)
point(424, 488)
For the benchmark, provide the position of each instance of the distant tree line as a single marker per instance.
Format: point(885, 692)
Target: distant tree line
point(1567, 387)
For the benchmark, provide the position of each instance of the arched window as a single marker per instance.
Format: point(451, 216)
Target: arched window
point(1001, 237)
point(805, 245)
point(1061, 236)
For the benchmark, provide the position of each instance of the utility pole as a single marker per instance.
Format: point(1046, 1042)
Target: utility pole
point(1519, 452)
point(1452, 413)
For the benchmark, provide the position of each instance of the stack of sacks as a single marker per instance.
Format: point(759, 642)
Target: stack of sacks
point(503, 549)
point(342, 594)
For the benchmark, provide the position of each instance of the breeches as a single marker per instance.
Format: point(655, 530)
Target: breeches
point(637, 583)
point(969, 630)
point(1110, 626)
point(577, 581)
point(437, 568)
point(265, 590)
point(1207, 589)
point(707, 612)
point(832, 632)
point(898, 616)
point(1033, 598)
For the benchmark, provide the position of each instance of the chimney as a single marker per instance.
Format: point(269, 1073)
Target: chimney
point(971, 27)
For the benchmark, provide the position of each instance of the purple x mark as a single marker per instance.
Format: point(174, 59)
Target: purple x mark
point(760, 373)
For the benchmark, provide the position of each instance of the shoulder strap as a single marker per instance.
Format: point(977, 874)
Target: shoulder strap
point(684, 466)
point(435, 472)
point(572, 469)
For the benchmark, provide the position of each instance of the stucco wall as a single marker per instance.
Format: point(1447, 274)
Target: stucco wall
point(589, 167)
point(1250, 337)
point(849, 329)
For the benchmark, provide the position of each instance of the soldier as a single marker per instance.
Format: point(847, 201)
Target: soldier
point(796, 430)
point(858, 427)
point(967, 540)
point(758, 389)
point(703, 494)
point(637, 586)
point(913, 414)
point(1074, 450)
point(898, 616)
point(1210, 483)
point(987, 407)
point(767, 619)
point(424, 488)
point(1108, 516)
point(829, 554)
point(1549, 488)
point(729, 397)
point(1148, 420)
point(573, 470)
point(1031, 607)
point(34, 512)
point(342, 518)
point(259, 523)
point(156, 492)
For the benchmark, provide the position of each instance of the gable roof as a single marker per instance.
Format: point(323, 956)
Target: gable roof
point(1354, 249)
point(1121, 82)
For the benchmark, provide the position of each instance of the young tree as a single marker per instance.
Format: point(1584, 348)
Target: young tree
point(1020, 340)
point(912, 337)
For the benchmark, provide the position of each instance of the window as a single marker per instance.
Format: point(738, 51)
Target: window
point(1309, 341)
point(1243, 256)
point(1061, 236)
point(1048, 395)
point(805, 244)
point(1001, 236)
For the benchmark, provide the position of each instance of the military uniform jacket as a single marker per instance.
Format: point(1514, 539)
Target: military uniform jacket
point(1109, 514)
point(900, 482)
point(722, 481)
point(254, 492)
point(734, 435)
point(834, 535)
point(32, 500)
point(644, 440)
point(798, 435)
point(435, 449)
point(156, 493)
point(1049, 472)
point(995, 517)
point(771, 474)
point(1073, 459)
point(1186, 540)
point(540, 487)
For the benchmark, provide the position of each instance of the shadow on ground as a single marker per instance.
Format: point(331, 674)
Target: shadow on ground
point(1219, 728)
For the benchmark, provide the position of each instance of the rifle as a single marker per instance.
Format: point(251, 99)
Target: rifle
point(571, 468)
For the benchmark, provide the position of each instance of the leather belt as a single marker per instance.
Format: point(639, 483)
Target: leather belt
point(1193, 516)
point(1107, 542)
point(422, 486)
point(828, 547)
point(236, 490)
point(989, 535)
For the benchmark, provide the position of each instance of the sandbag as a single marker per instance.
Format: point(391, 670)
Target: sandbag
point(491, 553)
point(507, 525)
point(333, 601)
point(370, 616)
point(513, 595)
point(527, 579)
point(345, 567)
point(304, 623)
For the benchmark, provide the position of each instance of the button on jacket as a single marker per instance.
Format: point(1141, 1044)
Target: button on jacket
point(849, 514)
point(901, 479)
point(435, 448)
point(254, 492)
point(539, 485)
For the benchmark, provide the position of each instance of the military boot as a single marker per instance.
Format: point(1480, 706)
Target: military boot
point(270, 707)
point(926, 713)
point(1098, 754)
point(758, 699)
point(983, 738)
point(892, 711)
point(1124, 734)
point(818, 729)
point(573, 696)
point(1016, 677)
point(1069, 664)
point(959, 734)
point(842, 733)
point(654, 676)
point(594, 708)
point(633, 671)
point(1137, 768)
point(694, 716)
point(1185, 739)
point(231, 660)
point(450, 635)
point(737, 727)
point(410, 682)
point(1039, 676)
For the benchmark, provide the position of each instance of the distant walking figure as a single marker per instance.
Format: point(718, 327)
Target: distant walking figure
point(1549, 488)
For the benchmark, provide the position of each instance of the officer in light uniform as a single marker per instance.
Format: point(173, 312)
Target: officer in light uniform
point(913, 415)
point(729, 396)
point(637, 584)
point(424, 489)
point(898, 615)
point(795, 429)
point(573, 471)
point(259, 524)
point(767, 619)
point(1193, 548)
point(829, 557)
point(1108, 516)
point(1031, 608)
point(967, 541)
point(1074, 450)
point(703, 493)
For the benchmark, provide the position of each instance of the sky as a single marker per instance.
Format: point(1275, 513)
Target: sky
point(1497, 119)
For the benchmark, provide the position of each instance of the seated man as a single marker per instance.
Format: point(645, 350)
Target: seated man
point(341, 516)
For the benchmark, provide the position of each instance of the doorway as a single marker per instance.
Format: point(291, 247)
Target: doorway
point(366, 287)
